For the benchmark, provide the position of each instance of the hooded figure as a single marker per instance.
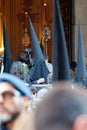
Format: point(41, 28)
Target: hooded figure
point(80, 76)
point(61, 68)
point(39, 70)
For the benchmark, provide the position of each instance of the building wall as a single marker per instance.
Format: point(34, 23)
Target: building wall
point(79, 14)
point(12, 11)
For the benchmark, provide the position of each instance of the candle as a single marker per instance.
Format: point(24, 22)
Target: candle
point(1, 35)
point(45, 11)
point(1, 51)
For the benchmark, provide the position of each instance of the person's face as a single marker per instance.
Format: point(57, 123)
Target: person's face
point(10, 102)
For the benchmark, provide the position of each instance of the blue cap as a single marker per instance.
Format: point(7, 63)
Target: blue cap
point(17, 83)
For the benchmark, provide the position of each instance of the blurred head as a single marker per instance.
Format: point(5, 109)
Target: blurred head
point(14, 97)
point(62, 109)
point(10, 102)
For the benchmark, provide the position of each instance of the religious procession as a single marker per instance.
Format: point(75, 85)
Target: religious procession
point(40, 89)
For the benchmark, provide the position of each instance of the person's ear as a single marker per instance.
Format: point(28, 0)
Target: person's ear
point(80, 123)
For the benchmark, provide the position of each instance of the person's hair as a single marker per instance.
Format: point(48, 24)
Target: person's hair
point(17, 69)
point(59, 109)
point(73, 65)
point(22, 57)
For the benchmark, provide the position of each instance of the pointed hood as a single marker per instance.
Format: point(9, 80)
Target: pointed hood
point(60, 57)
point(81, 68)
point(7, 53)
point(38, 55)
point(40, 69)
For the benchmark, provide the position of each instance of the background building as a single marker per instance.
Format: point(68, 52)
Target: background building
point(15, 19)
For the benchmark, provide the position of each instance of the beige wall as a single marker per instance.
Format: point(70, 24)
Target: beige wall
point(79, 13)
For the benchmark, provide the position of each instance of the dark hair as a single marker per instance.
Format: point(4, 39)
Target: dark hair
point(17, 69)
point(26, 58)
point(73, 65)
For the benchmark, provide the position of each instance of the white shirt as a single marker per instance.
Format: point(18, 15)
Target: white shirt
point(49, 66)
